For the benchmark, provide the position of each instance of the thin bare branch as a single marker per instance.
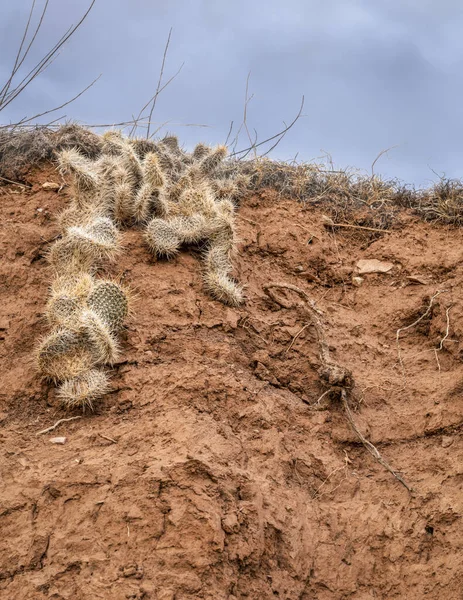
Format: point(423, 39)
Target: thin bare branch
point(18, 65)
point(277, 135)
point(379, 156)
point(45, 61)
point(53, 427)
point(6, 87)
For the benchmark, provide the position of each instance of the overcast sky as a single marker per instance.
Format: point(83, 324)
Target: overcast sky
point(374, 73)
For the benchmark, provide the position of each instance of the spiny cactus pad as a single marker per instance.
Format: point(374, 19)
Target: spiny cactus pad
point(82, 391)
point(98, 338)
point(62, 355)
point(162, 238)
point(109, 302)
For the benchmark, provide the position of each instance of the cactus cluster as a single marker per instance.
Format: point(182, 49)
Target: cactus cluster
point(179, 198)
point(182, 201)
point(85, 312)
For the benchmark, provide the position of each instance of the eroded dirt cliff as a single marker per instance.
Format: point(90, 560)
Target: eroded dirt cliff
point(210, 471)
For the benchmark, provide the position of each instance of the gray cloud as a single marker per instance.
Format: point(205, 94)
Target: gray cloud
point(374, 75)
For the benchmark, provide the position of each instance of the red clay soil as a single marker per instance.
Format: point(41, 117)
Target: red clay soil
point(210, 471)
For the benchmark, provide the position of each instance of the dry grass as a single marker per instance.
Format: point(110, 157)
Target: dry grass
point(348, 196)
point(24, 148)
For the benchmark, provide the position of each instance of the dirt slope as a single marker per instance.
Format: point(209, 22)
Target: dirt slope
point(211, 471)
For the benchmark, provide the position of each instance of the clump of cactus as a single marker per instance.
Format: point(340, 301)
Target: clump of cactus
point(185, 208)
point(86, 315)
point(179, 198)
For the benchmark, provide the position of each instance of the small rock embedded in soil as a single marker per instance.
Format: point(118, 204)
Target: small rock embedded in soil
point(50, 185)
point(58, 440)
point(447, 441)
point(373, 265)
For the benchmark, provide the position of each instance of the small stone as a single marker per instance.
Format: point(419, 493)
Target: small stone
point(357, 281)
point(58, 440)
point(447, 441)
point(134, 514)
point(51, 186)
point(230, 523)
point(130, 571)
point(40, 210)
point(416, 279)
point(372, 265)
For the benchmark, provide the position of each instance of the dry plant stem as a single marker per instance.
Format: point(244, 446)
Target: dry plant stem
point(273, 137)
point(367, 444)
point(53, 427)
point(7, 95)
point(28, 187)
point(399, 331)
point(385, 151)
point(348, 226)
point(105, 437)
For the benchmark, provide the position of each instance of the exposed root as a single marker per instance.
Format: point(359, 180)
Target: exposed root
point(338, 378)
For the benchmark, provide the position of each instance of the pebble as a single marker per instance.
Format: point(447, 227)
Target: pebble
point(50, 185)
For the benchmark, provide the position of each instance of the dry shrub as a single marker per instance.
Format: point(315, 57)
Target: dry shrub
point(21, 149)
point(24, 148)
point(442, 202)
point(350, 196)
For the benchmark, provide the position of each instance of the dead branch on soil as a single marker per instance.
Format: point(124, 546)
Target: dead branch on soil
point(110, 439)
point(53, 427)
point(28, 187)
point(338, 378)
point(327, 222)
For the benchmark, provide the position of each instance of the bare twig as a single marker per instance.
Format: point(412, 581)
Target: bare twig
point(447, 316)
point(105, 437)
point(229, 133)
point(273, 137)
point(8, 96)
point(245, 113)
point(16, 183)
point(47, 112)
point(53, 427)
point(378, 157)
point(18, 59)
point(161, 73)
point(295, 338)
point(235, 141)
